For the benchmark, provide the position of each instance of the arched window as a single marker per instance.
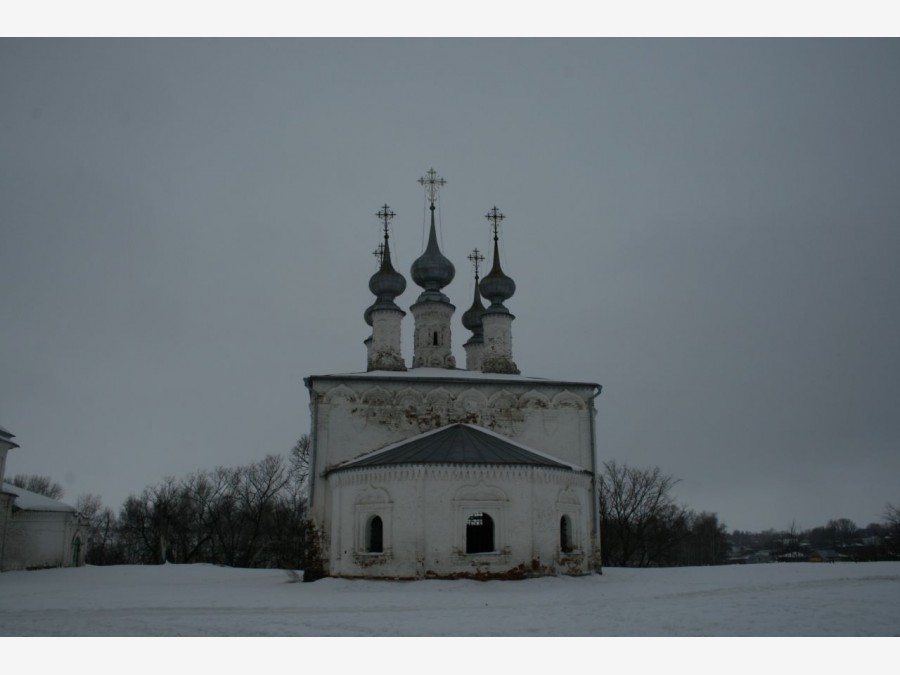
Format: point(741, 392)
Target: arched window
point(565, 535)
point(479, 533)
point(435, 339)
point(375, 535)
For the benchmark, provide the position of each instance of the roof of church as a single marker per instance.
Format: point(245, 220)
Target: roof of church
point(458, 444)
point(26, 500)
point(446, 375)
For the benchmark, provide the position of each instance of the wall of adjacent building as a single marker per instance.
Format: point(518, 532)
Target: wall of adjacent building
point(6, 501)
point(35, 539)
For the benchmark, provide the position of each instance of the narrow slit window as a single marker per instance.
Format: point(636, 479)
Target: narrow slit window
point(565, 534)
point(375, 535)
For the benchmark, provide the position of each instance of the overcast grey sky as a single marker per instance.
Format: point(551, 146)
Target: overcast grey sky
point(708, 228)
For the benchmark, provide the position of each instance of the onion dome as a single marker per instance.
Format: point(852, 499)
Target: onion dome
point(431, 270)
point(471, 318)
point(496, 286)
point(387, 283)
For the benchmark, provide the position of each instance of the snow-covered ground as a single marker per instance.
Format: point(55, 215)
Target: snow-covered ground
point(798, 599)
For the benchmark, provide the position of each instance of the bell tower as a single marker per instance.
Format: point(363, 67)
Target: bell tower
point(384, 315)
point(496, 319)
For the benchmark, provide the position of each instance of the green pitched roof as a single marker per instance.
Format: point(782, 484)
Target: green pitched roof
point(457, 444)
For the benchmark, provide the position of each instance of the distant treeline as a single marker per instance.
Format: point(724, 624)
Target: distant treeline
point(838, 540)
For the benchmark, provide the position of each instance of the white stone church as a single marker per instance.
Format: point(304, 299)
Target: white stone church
point(36, 531)
point(436, 471)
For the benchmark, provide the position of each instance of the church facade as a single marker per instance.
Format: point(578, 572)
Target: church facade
point(439, 471)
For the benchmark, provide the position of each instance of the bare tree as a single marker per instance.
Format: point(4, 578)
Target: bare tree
point(892, 516)
point(706, 542)
point(892, 538)
point(202, 492)
point(136, 534)
point(288, 547)
point(150, 522)
point(637, 513)
point(299, 464)
point(842, 532)
point(102, 548)
point(261, 485)
point(88, 504)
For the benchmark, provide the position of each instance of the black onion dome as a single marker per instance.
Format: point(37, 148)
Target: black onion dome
point(471, 318)
point(496, 286)
point(387, 283)
point(367, 315)
point(431, 270)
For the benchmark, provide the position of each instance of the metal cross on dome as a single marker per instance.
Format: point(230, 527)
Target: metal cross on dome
point(432, 183)
point(476, 258)
point(496, 218)
point(386, 216)
point(379, 254)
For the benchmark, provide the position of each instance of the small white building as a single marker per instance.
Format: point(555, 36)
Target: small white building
point(436, 471)
point(36, 531)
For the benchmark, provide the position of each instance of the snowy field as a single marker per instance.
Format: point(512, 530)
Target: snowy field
point(799, 599)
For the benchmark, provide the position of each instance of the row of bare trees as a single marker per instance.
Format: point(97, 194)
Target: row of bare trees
point(641, 525)
point(247, 516)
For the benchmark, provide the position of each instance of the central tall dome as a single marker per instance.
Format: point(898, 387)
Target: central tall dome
point(432, 311)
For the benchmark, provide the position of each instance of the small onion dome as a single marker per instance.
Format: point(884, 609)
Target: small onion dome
point(496, 286)
point(431, 270)
point(387, 283)
point(367, 315)
point(471, 318)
